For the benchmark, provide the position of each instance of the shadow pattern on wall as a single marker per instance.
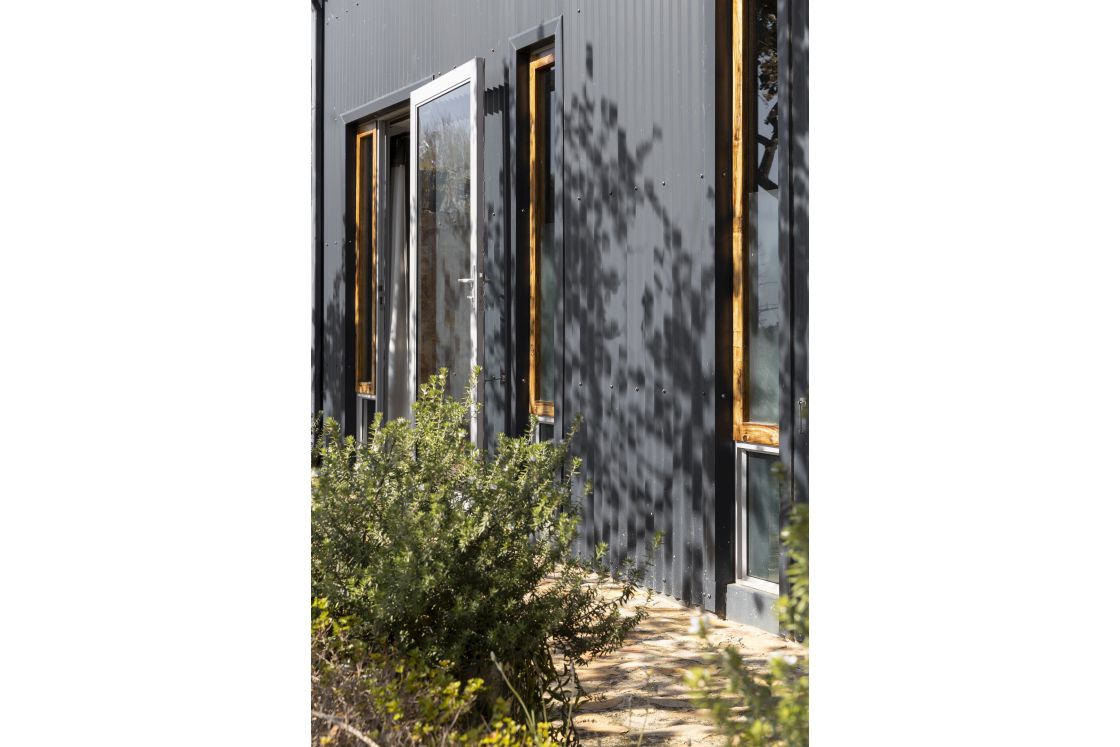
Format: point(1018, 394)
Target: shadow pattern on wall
point(637, 333)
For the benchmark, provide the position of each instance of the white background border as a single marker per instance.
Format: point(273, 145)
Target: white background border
point(154, 303)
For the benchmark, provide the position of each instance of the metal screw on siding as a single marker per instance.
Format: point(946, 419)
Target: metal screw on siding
point(612, 386)
point(701, 175)
point(635, 389)
point(662, 183)
point(662, 391)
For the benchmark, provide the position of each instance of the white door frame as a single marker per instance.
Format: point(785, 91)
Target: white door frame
point(472, 73)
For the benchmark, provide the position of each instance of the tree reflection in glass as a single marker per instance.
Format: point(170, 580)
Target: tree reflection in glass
point(443, 197)
point(763, 268)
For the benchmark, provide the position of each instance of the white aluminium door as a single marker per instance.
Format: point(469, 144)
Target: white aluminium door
point(447, 231)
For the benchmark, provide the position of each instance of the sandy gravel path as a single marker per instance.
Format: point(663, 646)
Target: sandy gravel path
point(638, 692)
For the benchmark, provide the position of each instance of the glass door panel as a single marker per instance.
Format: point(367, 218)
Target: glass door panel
point(446, 236)
point(443, 208)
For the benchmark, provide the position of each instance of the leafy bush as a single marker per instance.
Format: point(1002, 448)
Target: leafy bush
point(431, 546)
point(361, 696)
point(772, 707)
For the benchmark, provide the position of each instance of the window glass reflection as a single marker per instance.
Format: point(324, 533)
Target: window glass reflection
point(762, 515)
point(763, 267)
point(547, 298)
point(443, 190)
point(366, 312)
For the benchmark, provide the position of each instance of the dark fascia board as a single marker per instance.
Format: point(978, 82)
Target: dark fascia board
point(720, 293)
point(383, 104)
point(538, 33)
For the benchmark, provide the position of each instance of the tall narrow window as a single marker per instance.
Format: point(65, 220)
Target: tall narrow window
point(365, 261)
point(394, 398)
point(756, 277)
point(542, 252)
point(444, 228)
point(757, 313)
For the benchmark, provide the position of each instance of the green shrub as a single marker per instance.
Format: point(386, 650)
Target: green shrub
point(431, 546)
point(360, 696)
point(770, 708)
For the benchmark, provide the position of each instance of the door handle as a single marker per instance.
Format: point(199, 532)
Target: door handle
point(481, 279)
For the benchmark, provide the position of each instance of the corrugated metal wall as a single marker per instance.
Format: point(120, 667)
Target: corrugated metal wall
point(639, 232)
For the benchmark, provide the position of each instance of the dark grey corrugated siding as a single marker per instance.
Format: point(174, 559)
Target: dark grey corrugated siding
point(639, 227)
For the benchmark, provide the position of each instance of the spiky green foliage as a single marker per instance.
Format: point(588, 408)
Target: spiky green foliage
point(768, 708)
point(432, 546)
point(362, 695)
point(793, 608)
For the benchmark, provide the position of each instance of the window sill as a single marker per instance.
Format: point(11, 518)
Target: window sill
point(757, 434)
point(758, 584)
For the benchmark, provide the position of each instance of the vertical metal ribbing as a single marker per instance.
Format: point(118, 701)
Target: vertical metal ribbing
point(639, 266)
point(317, 208)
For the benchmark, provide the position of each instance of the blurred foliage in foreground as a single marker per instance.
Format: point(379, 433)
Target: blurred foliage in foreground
point(771, 708)
point(455, 564)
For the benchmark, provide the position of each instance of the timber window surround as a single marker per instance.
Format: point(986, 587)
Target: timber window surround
point(756, 314)
point(759, 318)
point(365, 260)
point(542, 250)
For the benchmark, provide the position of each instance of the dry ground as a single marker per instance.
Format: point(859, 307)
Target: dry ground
point(637, 693)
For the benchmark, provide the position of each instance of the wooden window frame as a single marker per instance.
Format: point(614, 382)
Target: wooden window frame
point(365, 385)
point(744, 430)
point(541, 408)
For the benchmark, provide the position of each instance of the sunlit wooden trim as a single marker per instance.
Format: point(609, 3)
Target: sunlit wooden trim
point(543, 409)
point(536, 196)
point(365, 276)
point(763, 434)
point(743, 429)
point(738, 261)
